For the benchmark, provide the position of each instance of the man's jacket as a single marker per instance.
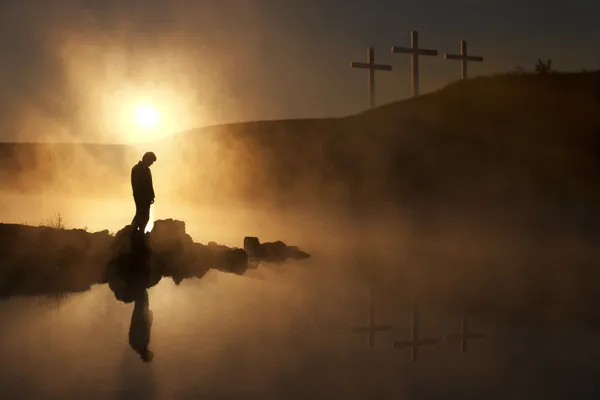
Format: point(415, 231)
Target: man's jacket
point(141, 182)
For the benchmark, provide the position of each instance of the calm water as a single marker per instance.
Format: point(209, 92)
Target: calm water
point(282, 334)
point(286, 335)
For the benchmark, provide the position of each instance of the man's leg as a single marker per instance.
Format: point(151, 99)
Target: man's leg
point(144, 216)
point(135, 222)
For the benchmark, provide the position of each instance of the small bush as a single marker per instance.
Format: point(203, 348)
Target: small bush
point(544, 68)
point(55, 221)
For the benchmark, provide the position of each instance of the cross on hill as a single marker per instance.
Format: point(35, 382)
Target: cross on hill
point(416, 52)
point(416, 342)
point(464, 335)
point(372, 67)
point(463, 57)
point(372, 328)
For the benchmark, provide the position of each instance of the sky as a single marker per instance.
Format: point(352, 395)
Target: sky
point(76, 70)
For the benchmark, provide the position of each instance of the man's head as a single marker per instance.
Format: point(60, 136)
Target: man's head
point(149, 158)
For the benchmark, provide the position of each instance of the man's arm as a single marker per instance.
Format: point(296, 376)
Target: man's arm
point(150, 185)
point(133, 180)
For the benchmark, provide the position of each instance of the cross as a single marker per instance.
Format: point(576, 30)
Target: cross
point(416, 341)
point(464, 57)
point(372, 328)
point(416, 52)
point(372, 67)
point(464, 335)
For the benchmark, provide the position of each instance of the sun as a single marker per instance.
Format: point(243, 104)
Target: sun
point(146, 116)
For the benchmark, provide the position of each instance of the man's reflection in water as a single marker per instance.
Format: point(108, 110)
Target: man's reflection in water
point(130, 281)
point(139, 282)
point(141, 325)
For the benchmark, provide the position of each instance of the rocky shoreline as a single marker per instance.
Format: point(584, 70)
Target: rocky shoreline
point(43, 260)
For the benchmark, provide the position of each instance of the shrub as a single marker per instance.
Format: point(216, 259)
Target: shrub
point(55, 221)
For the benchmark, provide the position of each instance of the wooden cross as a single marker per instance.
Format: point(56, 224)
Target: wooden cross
point(372, 328)
point(416, 341)
point(464, 335)
point(464, 57)
point(416, 52)
point(372, 67)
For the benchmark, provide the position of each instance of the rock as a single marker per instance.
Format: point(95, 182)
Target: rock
point(170, 235)
point(234, 261)
point(277, 252)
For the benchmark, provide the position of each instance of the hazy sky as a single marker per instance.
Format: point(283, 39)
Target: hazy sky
point(77, 68)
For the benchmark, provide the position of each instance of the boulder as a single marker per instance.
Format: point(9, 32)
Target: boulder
point(276, 252)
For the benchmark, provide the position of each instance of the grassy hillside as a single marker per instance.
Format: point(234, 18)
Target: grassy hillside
point(527, 142)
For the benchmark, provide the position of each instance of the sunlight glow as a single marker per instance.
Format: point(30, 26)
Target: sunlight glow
point(146, 116)
point(130, 99)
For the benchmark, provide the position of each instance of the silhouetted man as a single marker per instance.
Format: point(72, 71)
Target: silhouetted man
point(143, 191)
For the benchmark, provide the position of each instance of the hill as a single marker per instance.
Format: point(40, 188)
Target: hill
point(528, 143)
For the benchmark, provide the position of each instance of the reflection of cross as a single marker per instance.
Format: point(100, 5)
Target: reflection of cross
point(372, 67)
point(372, 328)
point(464, 335)
point(464, 57)
point(415, 51)
point(415, 342)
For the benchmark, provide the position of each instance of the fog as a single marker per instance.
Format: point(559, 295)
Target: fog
point(376, 204)
point(284, 330)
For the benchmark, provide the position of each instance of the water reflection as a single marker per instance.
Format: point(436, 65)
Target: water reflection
point(141, 327)
point(131, 284)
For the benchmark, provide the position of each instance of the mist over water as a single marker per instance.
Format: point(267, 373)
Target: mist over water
point(288, 336)
point(473, 201)
point(284, 330)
